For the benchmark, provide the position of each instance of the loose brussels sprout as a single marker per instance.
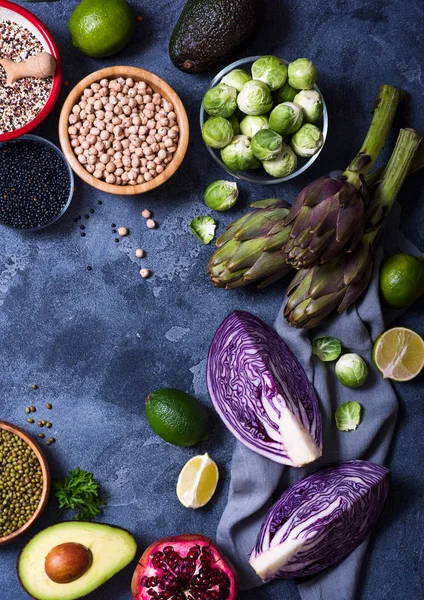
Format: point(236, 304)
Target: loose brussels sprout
point(285, 94)
point(217, 132)
point(286, 118)
point(238, 155)
point(220, 101)
point(307, 141)
point(203, 228)
point(351, 370)
point(266, 144)
point(255, 98)
point(327, 348)
point(271, 70)
point(311, 104)
point(252, 124)
point(348, 416)
point(221, 195)
point(302, 74)
point(236, 78)
point(283, 164)
point(234, 123)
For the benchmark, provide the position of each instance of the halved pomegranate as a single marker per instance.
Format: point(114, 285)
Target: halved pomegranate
point(184, 567)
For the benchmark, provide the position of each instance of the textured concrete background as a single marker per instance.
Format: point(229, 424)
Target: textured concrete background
point(97, 342)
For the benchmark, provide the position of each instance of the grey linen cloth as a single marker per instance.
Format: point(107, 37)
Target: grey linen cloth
point(256, 482)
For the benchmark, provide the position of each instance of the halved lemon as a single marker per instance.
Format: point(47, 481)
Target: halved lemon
point(399, 354)
point(197, 481)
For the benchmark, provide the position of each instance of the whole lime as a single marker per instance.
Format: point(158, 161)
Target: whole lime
point(402, 280)
point(102, 27)
point(177, 417)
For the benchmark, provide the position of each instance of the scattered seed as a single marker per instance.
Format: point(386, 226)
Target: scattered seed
point(52, 440)
point(151, 224)
point(92, 211)
point(113, 225)
point(83, 234)
point(99, 202)
point(32, 409)
point(145, 273)
point(140, 253)
point(49, 406)
point(139, 18)
point(82, 226)
point(40, 424)
point(146, 213)
point(30, 420)
point(44, 421)
point(123, 231)
point(41, 435)
point(27, 410)
point(116, 239)
point(48, 424)
point(86, 216)
point(34, 386)
point(89, 268)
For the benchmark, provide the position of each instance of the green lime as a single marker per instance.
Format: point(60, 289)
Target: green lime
point(177, 417)
point(102, 27)
point(402, 280)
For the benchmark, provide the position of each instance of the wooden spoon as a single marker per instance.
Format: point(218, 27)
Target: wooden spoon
point(42, 65)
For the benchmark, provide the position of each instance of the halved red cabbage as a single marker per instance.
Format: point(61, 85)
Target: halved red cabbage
point(320, 520)
point(262, 393)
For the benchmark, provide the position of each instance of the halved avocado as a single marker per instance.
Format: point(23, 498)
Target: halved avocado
point(111, 549)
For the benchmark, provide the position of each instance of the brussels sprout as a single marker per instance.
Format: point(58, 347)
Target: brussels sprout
point(307, 141)
point(221, 195)
point(217, 132)
point(327, 348)
point(252, 124)
point(255, 98)
point(220, 101)
point(203, 228)
point(351, 370)
point(285, 94)
point(283, 164)
point(302, 74)
point(311, 104)
point(286, 118)
point(348, 416)
point(271, 70)
point(236, 78)
point(238, 155)
point(266, 144)
point(234, 124)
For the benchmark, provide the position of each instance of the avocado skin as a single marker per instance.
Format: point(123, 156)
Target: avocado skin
point(210, 32)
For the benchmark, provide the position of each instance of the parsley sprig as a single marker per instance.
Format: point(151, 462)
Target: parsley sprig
point(80, 492)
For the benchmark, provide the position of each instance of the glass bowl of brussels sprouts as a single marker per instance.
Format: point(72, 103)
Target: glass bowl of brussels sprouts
point(264, 119)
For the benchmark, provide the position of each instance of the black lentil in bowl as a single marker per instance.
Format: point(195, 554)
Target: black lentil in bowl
point(36, 183)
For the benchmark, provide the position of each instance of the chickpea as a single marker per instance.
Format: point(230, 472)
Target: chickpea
point(100, 114)
point(94, 131)
point(75, 143)
point(118, 155)
point(119, 164)
point(79, 150)
point(104, 135)
point(127, 110)
point(116, 121)
point(110, 152)
point(132, 92)
point(135, 163)
point(172, 134)
point(168, 142)
point(155, 148)
point(82, 159)
point(151, 124)
point(118, 171)
point(99, 146)
point(91, 101)
point(92, 160)
point(92, 150)
point(72, 130)
point(118, 181)
point(110, 179)
point(148, 113)
point(88, 93)
point(97, 174)
point(140, 179)
point(90, 168)
point(125, 177)
point(109, 127)
point(139, 100)
point(85, 144)
point(148, 177)
point(89, 109)
point(160, 169)
point(91, 118)
point(138, 152)
point(132, 176)
point(73, 119)
point(163, 122)
point(126, 161)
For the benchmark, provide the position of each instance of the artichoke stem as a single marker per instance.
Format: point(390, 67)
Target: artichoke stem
point(384, 112)
point(377, 176)
point(395, 173)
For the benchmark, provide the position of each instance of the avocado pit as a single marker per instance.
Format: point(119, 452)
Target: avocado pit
point(67, 562)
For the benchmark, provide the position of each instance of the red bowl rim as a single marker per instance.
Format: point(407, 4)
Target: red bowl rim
point(57, 78)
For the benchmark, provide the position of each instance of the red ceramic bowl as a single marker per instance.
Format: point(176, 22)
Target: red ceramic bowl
point(14, 12)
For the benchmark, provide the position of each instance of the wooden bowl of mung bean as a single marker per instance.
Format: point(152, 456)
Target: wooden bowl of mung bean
point(24, 482)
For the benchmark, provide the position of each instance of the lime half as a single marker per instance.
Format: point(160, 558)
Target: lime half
point(399, 354)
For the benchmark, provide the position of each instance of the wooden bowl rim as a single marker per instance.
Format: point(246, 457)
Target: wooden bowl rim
point(157, 83)
point(46, 479)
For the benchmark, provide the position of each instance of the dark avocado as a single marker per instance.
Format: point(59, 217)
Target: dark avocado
point(210, 32)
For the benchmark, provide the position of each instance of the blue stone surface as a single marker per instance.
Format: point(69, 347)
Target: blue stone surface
point(97, 342)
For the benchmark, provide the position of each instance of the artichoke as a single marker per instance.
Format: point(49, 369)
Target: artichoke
point(251, 248)
point(328, 215)
point(317, 291)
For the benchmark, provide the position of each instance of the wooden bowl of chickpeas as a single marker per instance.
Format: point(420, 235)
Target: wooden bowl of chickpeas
point(124, 130)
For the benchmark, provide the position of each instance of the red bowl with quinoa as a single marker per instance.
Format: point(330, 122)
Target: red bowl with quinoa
point(39, 39)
